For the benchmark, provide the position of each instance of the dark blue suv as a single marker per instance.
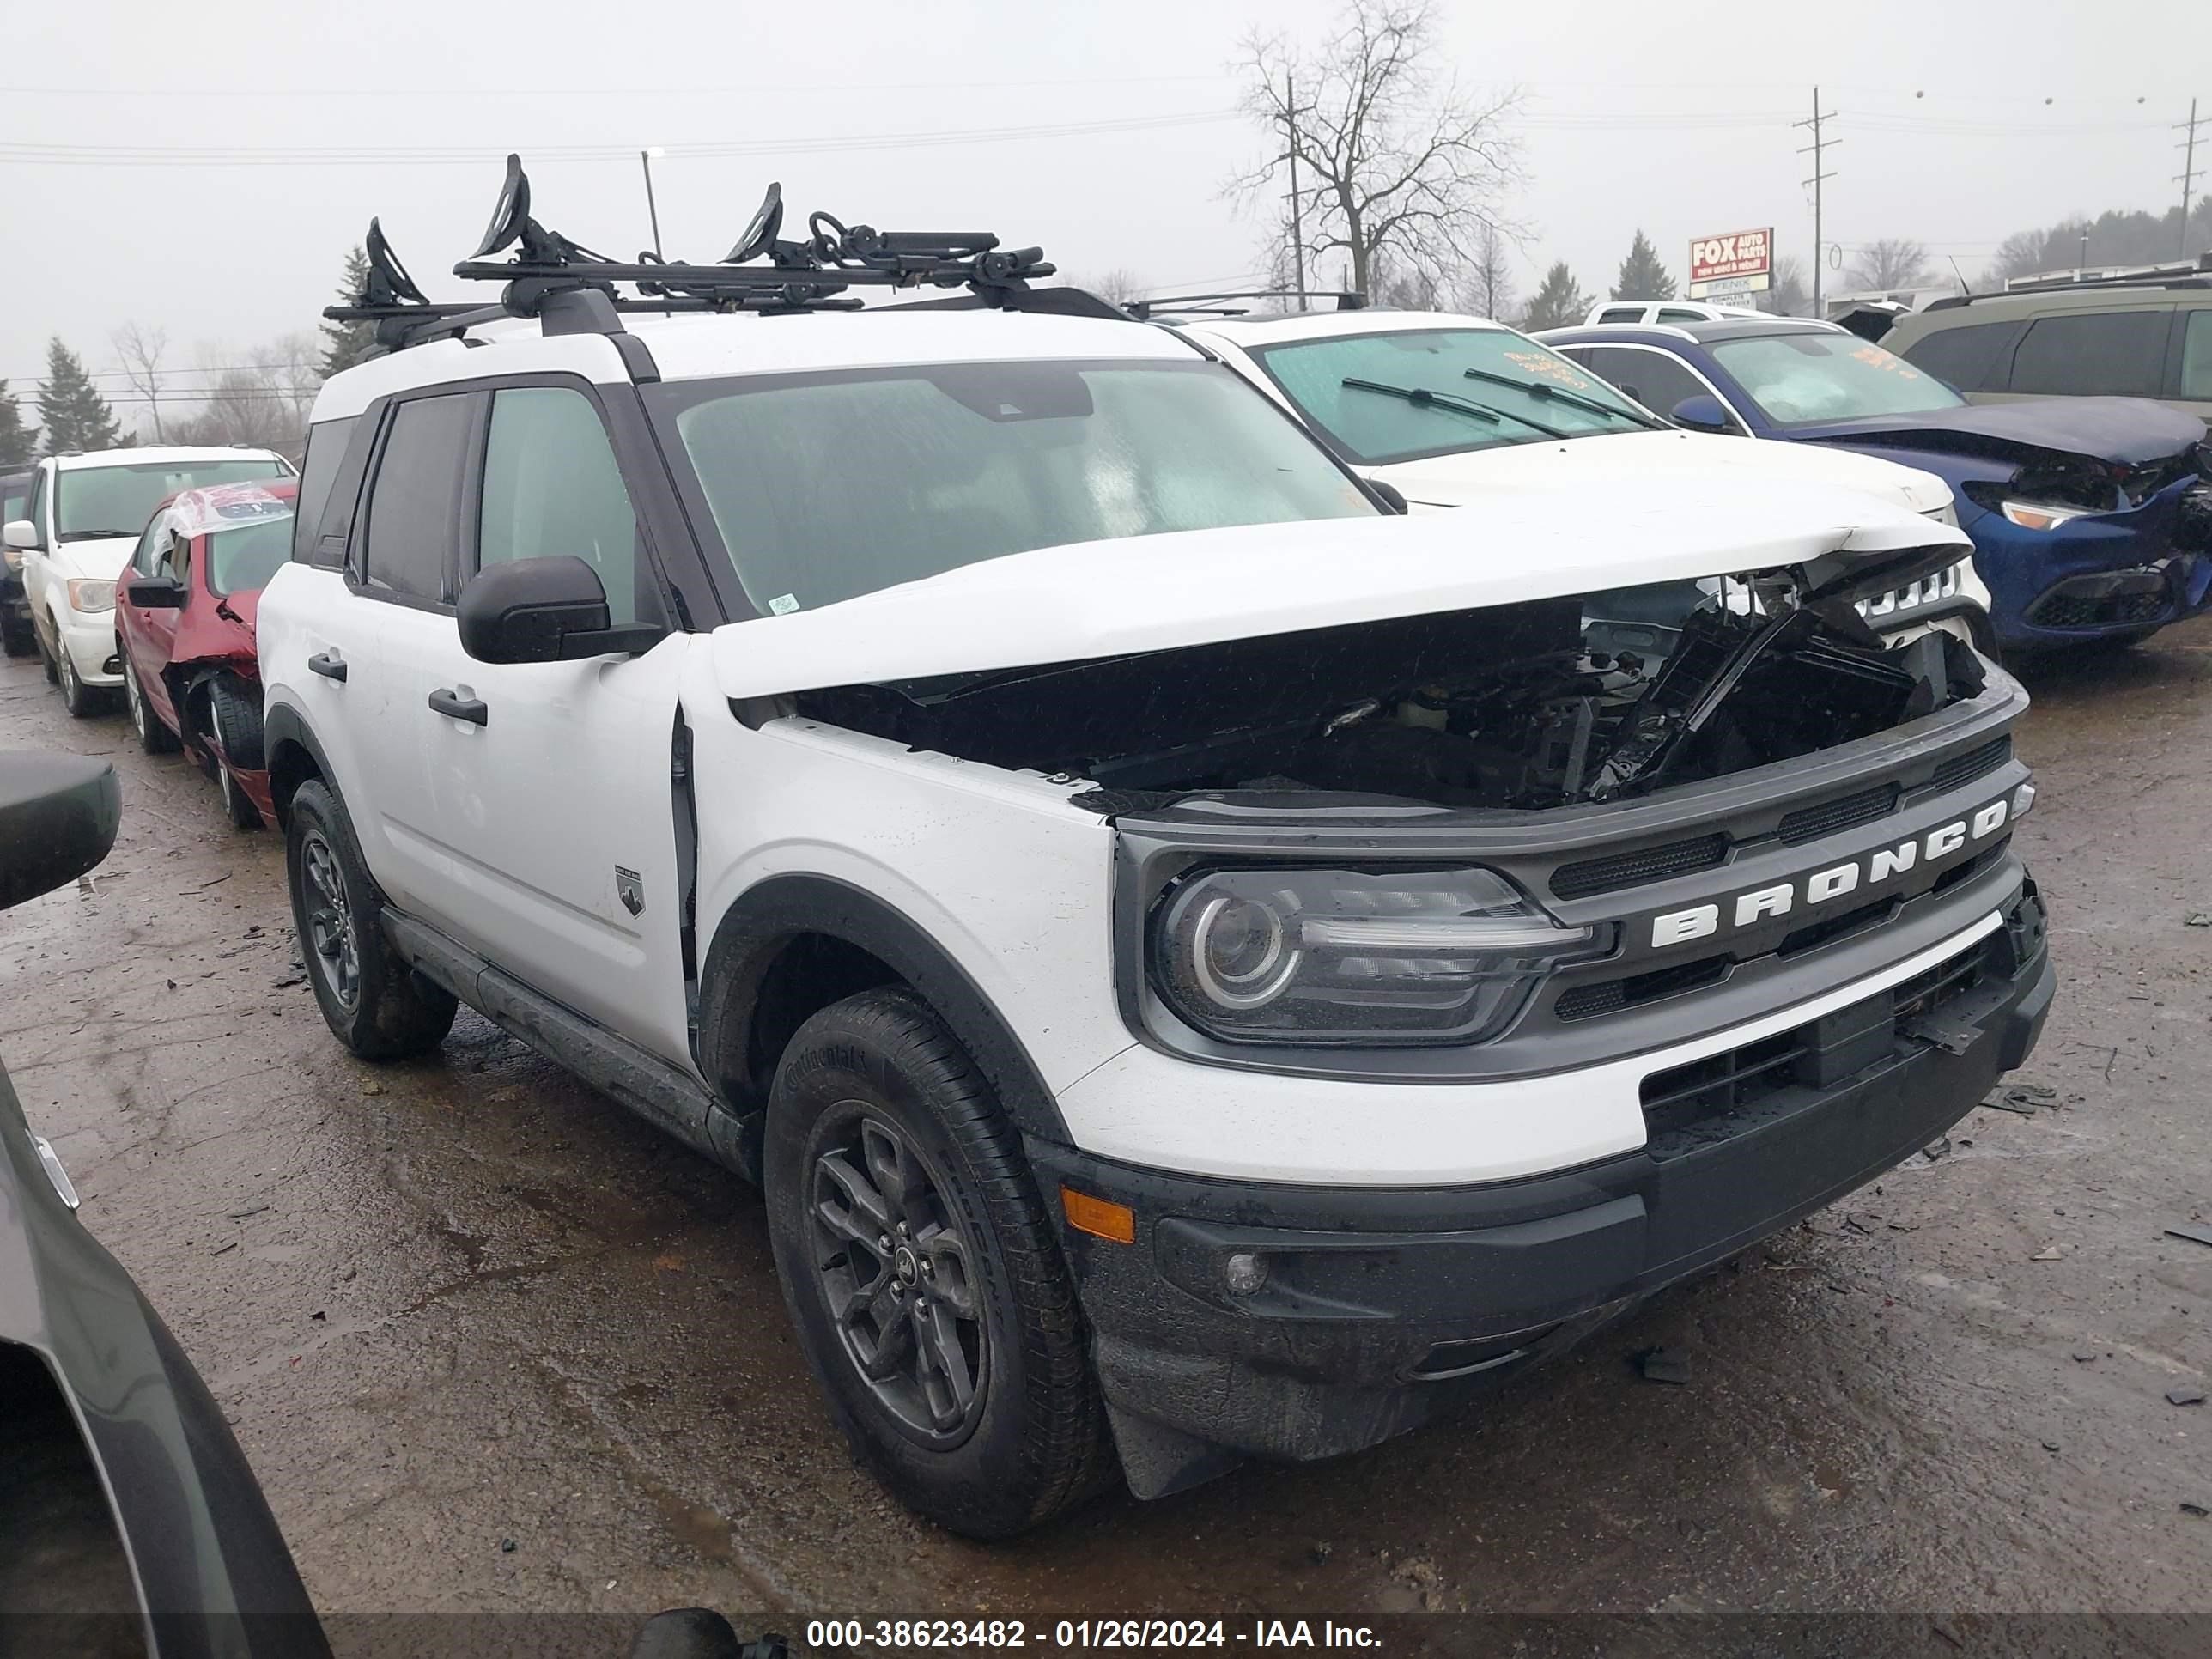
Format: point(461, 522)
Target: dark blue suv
point(2089, 515)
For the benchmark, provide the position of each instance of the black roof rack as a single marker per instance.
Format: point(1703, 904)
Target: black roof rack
point(1221, 305)
point(571, 289)
point(2185, 274)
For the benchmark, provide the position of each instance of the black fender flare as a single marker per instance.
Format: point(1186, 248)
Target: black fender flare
point(768, 916)
point(280, 725)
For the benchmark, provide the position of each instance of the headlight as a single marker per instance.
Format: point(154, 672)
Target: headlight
point(1945, 514)
point(88, 596)
point(2036, 515)
point(1348, 956)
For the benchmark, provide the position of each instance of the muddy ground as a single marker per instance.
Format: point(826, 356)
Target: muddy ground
point(493, 1345)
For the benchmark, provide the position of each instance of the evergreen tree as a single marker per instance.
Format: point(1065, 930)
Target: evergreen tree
point(74, 415)
point(1560, 301)
point(18, 443)
point(348, 344)
point(1642, 276)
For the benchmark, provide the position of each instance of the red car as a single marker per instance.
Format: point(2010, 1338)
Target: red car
point(184, 629)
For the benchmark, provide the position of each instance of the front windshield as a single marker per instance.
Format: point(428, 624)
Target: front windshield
point(829, 485)
point(1800, 378)
point(1403, 395)
point(243, 558)
point(116, 500)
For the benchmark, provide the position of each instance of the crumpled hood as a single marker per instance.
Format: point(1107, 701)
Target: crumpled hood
point(1476, 476)
point(1193, 587)
point(101, 557)
point(2124, 431)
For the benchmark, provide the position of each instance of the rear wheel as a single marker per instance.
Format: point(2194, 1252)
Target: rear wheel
point(154, 738)
point(922, 1272)
point(373, 1001)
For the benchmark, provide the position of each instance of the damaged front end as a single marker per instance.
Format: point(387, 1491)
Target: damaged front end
point(1546, 703)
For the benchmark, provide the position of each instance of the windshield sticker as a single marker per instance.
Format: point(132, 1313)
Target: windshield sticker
point(1880, 359)
point(783, 604)
point(1558, 368)
point(225, 507)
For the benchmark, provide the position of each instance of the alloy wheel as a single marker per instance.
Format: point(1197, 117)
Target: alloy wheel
point(136, 700)
point(898, 1279)
point(331, 937)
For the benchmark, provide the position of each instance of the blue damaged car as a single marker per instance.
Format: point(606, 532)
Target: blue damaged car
point(2091, 517)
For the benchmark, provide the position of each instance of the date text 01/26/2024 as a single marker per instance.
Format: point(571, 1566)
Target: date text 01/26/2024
point(971, 1634)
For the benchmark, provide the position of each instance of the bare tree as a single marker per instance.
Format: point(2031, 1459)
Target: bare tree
point(1788, 297)
point(1894, 262)
point(259, 398)
point(1116, 287)
point(1487, 287)
point(1396, 164)
point(140, 349)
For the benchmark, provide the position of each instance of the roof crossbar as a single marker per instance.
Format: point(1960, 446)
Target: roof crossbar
point(808, 274)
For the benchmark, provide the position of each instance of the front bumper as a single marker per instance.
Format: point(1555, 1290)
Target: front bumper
point(90, 642)
point(1380, 1306)
point(2112, 574)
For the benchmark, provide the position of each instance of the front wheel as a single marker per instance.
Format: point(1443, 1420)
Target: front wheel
point(80, 699)
point(373, 1001)
point(922, 1273)
point(236, 722)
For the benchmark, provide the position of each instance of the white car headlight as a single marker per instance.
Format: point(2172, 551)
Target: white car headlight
point(1945, 514)
point(91, 597)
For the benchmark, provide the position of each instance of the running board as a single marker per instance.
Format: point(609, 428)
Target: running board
point(662, 1094)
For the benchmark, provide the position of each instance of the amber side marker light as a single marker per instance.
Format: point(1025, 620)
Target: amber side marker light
point(1099, 1217)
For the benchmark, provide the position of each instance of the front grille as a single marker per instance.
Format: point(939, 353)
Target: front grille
point(1811, 823)
point(1634, 869)
point(1683, 1098)
point(1816, 934)
point(1964, 769)
point(1613, 996)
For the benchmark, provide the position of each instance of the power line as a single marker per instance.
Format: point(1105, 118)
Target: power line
point(442, 154)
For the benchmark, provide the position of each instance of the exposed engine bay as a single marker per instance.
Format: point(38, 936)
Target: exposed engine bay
point(1527, 706)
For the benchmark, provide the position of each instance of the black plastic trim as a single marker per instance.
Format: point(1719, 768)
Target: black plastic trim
point(766, 918)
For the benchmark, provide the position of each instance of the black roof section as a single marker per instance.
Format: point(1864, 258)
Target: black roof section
point(571, 289)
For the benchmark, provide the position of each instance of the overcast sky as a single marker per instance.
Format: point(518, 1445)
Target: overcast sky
point(1101, 131)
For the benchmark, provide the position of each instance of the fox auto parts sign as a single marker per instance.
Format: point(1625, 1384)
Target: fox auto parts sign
point(1740, 262)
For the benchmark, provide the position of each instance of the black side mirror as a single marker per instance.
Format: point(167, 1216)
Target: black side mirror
point(1702, 413)
point(58, 814)
point(1391, 495)
point(544, 610)
point(162, 592)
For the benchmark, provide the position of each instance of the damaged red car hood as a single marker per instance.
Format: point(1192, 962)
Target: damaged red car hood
point(1193, 587)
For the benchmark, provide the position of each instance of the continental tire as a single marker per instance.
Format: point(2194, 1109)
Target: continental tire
point(922, 1272)
point(374, 1002)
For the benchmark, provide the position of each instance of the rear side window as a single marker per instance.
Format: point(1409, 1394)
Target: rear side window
point(407, 549)
point(1974, 358)
point(1621, 314)
point(2196, 357)
point(551, 487)
point(2118, 354)
point(327, 448)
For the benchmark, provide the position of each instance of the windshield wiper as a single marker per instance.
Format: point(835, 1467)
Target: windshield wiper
point(1539, 389)
point(91, 535)
point(1421, 398)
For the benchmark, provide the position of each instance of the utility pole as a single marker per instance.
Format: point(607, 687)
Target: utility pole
point(1297, 215)
point(2188, 179)
point(1819, 177)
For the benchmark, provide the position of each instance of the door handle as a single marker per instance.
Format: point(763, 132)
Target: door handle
point(329, 666)
point(445, 702)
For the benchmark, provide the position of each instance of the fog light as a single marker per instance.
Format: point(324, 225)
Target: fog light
point(2022, 798)
point(1244, 1273)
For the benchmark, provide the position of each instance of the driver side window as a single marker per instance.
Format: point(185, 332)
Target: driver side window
point(551, 487)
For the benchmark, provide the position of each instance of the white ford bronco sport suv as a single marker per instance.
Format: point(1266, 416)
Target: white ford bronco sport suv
point(1201, 967)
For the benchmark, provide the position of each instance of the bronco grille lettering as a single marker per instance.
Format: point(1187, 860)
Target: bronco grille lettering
point(1818, 886)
